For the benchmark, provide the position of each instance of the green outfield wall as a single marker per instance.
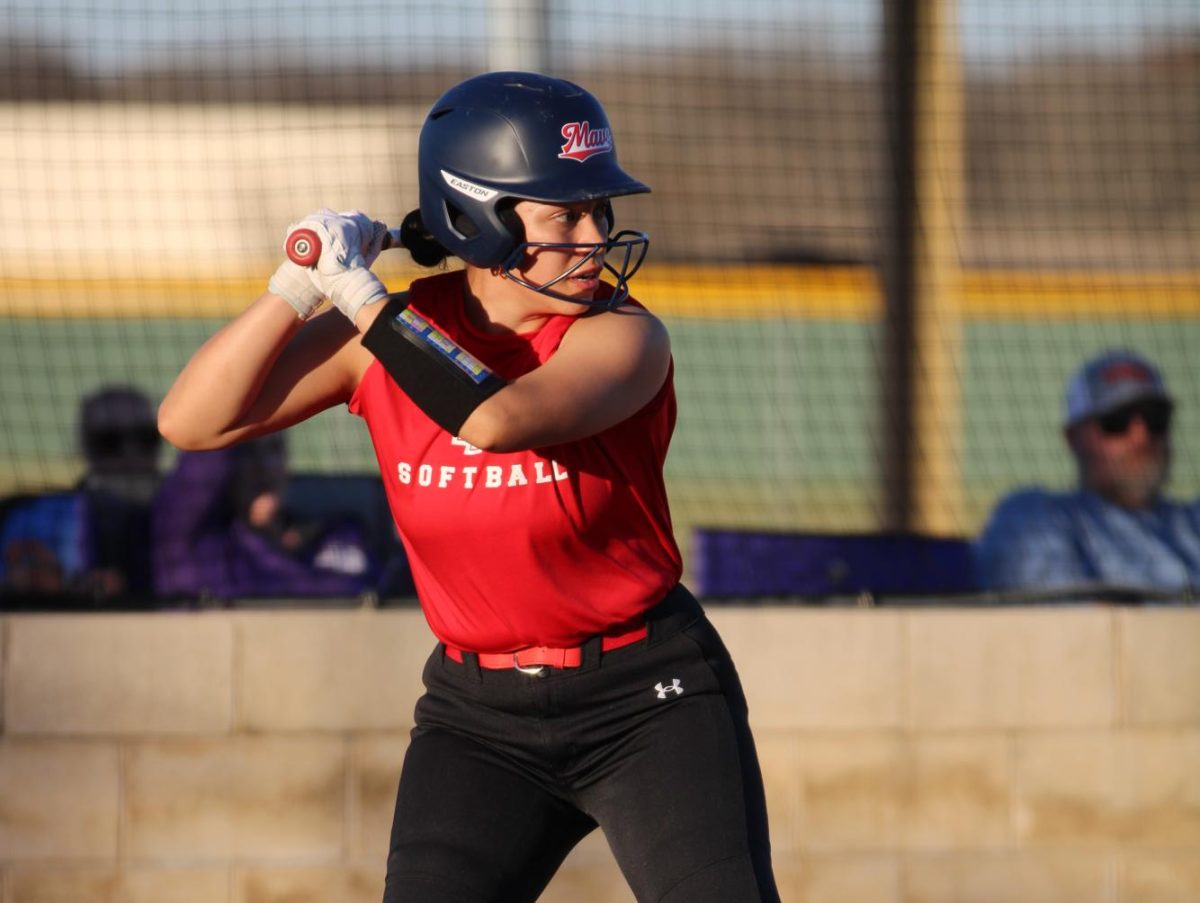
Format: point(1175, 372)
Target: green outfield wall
point(777, 420)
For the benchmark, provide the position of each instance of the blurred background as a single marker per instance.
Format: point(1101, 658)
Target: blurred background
point(884, 232)
point(881, 239)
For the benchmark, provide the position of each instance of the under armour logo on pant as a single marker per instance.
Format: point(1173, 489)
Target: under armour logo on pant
point(676, 687)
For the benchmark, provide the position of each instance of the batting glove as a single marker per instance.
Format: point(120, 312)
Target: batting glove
point(350, 243)
point(292, 283)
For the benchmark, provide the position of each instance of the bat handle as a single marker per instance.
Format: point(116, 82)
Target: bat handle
point(303, 246)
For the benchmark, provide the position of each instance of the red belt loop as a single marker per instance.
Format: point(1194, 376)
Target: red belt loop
point(547, 656)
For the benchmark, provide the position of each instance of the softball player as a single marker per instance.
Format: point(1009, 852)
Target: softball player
point(521, 410)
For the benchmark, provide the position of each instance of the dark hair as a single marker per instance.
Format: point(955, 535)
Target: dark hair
point(424, 248)
point(259, 466)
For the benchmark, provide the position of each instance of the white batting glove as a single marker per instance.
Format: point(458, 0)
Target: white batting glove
point(292, 283)
point(350, 243)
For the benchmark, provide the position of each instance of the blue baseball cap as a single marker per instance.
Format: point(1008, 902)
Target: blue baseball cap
point(1110, 381)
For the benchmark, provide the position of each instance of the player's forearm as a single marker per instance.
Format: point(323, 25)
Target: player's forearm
point(206, 403)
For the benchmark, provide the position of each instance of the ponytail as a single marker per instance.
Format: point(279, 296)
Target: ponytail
point(424, 248)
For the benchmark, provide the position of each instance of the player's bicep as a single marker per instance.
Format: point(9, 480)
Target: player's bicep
point(605, 371)
point(318, 369)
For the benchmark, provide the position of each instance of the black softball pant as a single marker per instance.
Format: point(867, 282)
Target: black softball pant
point(507, 771)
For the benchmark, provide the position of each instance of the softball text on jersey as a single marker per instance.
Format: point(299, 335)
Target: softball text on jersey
point(487, 476)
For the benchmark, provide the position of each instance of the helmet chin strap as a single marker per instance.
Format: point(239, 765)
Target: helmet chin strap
point(630, 245)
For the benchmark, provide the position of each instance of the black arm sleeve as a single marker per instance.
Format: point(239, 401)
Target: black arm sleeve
point(443, 380)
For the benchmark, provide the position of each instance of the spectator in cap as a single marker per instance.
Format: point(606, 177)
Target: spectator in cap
point(1116, 530)
point(89, 544)
point(120, 442)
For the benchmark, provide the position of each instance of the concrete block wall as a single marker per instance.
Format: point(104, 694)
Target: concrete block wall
point(918, 755)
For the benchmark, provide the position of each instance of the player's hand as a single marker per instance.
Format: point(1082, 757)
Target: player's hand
point(350, 243)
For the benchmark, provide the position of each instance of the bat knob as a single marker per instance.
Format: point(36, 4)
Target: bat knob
point(303, 247)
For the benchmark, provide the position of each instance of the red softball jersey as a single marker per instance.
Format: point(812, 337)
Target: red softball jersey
point(545, 547)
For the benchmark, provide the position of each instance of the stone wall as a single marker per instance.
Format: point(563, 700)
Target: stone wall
point(923, 755)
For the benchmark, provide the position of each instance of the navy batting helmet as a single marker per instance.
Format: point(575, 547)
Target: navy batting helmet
point(506, 136)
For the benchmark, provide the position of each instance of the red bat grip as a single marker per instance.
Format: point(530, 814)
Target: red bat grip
point(303, 246)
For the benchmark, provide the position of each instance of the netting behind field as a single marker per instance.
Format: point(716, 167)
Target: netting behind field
point(152, 154)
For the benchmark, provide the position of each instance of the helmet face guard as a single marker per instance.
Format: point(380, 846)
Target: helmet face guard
point(627, 245)
point(508, 136)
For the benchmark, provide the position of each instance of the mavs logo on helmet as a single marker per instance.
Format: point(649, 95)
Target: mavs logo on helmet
point(583, 141)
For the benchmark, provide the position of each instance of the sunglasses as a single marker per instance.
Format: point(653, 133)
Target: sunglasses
point(1155, 414)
